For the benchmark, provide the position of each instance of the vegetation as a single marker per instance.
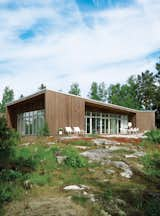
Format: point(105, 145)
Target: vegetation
point(153, 136)
point(98, 91)
point(44, 131)
point(8, 96)
point(75, 89)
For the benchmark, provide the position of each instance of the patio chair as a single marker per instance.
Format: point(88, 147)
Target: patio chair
point(68, 130)
point(76, 130)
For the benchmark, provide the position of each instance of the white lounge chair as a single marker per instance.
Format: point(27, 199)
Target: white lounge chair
point(68, 130)
point(76, 130)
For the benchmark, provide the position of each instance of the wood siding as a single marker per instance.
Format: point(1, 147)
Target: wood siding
point(63, 110)
point(145, 120)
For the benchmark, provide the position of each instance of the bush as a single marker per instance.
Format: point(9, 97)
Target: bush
point(151, 162)
point(6, 193)
point(153, 136)
point(9, 175)
point(25, 160)
point(8, 141)
point(73, 158)
point(152, 207)
point(40, 179)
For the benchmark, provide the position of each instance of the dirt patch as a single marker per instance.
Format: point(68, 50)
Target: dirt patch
point(53, 206)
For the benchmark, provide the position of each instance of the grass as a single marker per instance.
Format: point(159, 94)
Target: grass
point(80, 199)
point(81, 142)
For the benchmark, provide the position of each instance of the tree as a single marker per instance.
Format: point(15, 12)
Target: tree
point(7, 97)
point(98, 91)
point(102, 91)
point(146, 89)
point(8, 140)
point(124, 95)
point(75, 89)
point(94, 94)
point(42, 86)
point(21, 96)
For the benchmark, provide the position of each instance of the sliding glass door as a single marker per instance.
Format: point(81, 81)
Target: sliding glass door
point(104, 123)
point(30, 123)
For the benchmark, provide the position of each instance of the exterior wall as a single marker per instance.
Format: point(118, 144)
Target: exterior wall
point(63, 110)
point(31, 104)
point(145, 120)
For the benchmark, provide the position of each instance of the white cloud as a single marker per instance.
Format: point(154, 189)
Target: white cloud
point(121, 35)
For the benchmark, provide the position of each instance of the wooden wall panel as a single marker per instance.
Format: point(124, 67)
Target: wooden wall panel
point(145, 120)
point(63, 110)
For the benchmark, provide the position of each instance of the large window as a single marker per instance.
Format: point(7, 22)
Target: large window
point(97, 122)
point(30, 123)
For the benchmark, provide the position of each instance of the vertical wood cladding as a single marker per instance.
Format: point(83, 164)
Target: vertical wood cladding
point(63, 110)
point(145, 120)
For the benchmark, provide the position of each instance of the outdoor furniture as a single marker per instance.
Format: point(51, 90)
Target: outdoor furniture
point(68, 130)
point(76, 130)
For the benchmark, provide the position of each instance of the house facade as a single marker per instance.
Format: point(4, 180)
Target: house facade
point(59, 110)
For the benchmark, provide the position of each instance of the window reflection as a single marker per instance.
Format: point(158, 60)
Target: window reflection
point(30, 123)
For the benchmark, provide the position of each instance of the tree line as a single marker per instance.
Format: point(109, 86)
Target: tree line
point(138, 92)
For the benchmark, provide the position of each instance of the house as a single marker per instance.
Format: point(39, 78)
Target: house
point(58, 110)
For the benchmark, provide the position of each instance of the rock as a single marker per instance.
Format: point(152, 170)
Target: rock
point(91, 170)
point(115, 148)
point(104, 213)
point(60, 159)
point(105, 142)
point(96, 154)
point(92, 198)
point(127, 173)
point(122, 165)
point(27, 185)
point(26, 144)
point(109, 171)
point(76, 187)
point(85, 193)
point(51, 143)
point(135, 155)
point(81, 147)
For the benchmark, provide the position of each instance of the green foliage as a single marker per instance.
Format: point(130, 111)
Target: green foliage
point(75, 89)
point(151, 162)
point(107, 194)
point(152, 207)
point(124, 95)
point(6, 193)
point(8, 96)
point(81, 142)
point(98, 91)
point(42, 86)
point(8, 141)
point(153, 136)
point(79, 199)
point(40, 180)
point(8, 175)
point(73, 158)
point(44, 131)
point(25, 160)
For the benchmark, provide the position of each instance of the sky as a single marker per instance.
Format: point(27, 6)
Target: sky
point(58, 42)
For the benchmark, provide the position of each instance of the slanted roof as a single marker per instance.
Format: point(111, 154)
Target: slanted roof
point(87, 100)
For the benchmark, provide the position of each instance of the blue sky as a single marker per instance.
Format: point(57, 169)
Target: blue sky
point(57, 42)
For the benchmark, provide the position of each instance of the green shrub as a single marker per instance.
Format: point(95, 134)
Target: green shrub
point(153, 136)
point(40, 179)
point(80, 142)
point(25, 160)
point(151, 162)
point(8, 141)
point(152, 207)
point(6, 193)
point(107, 194)
point(79, 199)
point(73, 158)
point(9, 175)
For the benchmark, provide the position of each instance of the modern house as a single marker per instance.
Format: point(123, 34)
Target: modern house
point(59, 110)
